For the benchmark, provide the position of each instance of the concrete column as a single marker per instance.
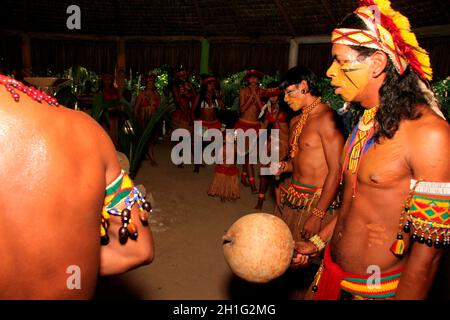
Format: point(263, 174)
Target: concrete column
point(293, 53)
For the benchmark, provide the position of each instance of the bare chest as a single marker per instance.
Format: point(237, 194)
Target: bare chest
point(308, 138)
point(383, 165)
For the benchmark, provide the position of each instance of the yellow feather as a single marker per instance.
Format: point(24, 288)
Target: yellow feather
point(410, 39)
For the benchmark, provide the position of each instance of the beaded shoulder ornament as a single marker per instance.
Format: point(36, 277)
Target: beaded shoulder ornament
point(425, 216)
point(121, 195)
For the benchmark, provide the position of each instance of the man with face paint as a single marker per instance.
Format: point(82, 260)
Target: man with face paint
point(395, 218)
point(306, 198)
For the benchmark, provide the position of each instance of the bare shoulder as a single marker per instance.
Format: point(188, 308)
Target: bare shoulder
point(427, 140)
point(326, 116)
point(89, 131)
point(428, 129)
point(326, 121)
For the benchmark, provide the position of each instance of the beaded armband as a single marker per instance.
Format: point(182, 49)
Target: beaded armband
point(318, 242)
point(121, 196)
point(425, 216)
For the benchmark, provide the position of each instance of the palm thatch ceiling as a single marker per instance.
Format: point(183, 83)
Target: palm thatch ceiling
point(228, 18)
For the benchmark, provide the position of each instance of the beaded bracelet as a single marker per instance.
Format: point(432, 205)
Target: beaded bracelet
point(319, 213)
point(318, 242)
point(283, 165)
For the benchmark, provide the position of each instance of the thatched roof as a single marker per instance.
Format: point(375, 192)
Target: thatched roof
point(232, 18)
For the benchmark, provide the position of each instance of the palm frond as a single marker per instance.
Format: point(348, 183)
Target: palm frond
point(138, 154)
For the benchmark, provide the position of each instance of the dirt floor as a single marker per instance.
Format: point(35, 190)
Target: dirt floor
point(188, 226)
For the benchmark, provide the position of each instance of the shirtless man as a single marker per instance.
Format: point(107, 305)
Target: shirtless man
point(57, 167)
point(250, 105)
point(315, 146)
point(147, 103)
point(394, 217)
point(210, 100)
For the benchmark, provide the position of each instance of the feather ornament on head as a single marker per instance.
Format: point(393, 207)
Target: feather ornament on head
point(390, 32)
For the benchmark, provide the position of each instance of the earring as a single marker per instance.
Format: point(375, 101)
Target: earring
point(303, 91)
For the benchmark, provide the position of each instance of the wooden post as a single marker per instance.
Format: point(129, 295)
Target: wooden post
point(26, 56)
point(204, 58)
point(293, 53)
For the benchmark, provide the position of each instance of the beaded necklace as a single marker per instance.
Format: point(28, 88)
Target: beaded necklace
point(299, 127)
point(360, 140)
point(14, 87)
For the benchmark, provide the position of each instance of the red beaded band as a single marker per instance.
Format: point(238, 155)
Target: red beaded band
point(13, 86)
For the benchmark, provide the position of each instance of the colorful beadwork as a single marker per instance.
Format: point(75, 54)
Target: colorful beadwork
point(425, 215)
point(122, 193)
point(360, 141)
point(299, 128)
point(359, 286)
point(14, 87)
point(390, 31)
point(298, 195)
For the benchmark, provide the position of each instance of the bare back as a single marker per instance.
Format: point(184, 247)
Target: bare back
point(55, 170)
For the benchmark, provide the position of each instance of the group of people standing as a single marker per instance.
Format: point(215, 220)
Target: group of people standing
point(375, 207)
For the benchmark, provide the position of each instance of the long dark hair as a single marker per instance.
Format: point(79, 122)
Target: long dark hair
point(399, 95)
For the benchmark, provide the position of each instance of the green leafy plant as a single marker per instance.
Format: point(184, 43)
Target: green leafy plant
point(267, 79)
point(66, 97)
point(442, 91)
point(135, 142)
point(230, 88)
point(335, 101)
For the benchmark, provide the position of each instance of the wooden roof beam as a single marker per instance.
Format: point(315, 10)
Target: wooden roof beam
point(329, 12)
point(239, 20)
point(200, 18)
point(286, 17)
point(443, 8)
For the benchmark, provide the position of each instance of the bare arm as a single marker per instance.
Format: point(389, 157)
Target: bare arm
point(270, 92)
point(305, 249)
point(116, 258)
point(332, 142)
point(420, 269)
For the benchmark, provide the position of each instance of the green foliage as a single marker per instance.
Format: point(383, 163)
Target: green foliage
point(442, 91)
point(79, 75)
point(230, 88)
point(66, 97)
point(335, 101)
point(267, 79)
